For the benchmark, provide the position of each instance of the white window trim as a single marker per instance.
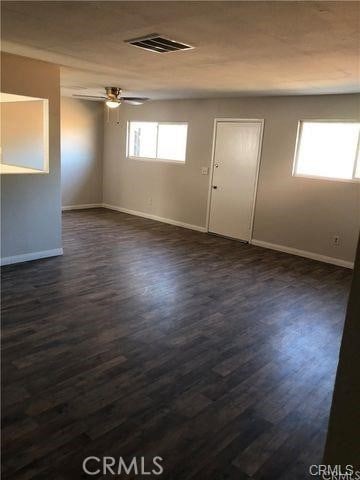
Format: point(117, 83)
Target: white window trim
point(155, 159)
point(319, 177)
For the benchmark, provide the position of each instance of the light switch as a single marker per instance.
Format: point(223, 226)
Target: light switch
point(204, 170)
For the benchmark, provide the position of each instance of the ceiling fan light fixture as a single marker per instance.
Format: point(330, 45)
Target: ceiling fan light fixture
point(112, 103)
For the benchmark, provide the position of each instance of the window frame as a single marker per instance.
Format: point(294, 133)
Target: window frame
point(11, 168)
point(155, 159)
point(320, 177)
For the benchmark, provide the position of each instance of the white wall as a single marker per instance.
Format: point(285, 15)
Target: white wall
point(297, 213)
point(30, 203)
point(81, 151)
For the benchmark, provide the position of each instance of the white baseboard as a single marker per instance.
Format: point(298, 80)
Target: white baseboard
point(303, 253)
point(155, 217)
point(272, 246)
point(81, 207)
point(26, 257)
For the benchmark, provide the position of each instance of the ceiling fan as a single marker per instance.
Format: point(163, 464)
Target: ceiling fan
point(113, 98)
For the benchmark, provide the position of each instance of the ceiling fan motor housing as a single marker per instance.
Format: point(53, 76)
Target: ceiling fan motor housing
point(113, 92)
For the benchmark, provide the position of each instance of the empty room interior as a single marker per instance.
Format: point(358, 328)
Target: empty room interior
point(180, 212)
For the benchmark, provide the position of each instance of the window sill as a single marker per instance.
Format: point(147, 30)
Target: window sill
point(6, 169)
point(157, 160)
point(329, 179)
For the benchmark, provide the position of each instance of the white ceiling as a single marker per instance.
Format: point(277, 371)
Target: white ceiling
point(242, 48)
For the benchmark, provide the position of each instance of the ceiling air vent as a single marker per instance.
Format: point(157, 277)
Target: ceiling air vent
point(158, 44)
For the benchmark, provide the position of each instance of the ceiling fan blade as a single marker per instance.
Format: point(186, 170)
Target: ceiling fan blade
point(90, 97)
point(134, 100)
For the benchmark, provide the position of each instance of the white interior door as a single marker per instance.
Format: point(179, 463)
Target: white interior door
point(234, 177)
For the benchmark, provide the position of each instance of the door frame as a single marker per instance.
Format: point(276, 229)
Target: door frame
point(258, 160)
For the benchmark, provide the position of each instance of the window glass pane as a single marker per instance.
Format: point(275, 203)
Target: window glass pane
point(172, 141)
point(327, 149)
point(142, 139)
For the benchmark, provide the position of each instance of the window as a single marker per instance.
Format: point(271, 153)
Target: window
point(157, 140)
point(142, 139)
point(328, 150)
point(24, 134)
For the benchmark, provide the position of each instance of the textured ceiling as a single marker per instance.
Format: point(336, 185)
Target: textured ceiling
point(242, 48)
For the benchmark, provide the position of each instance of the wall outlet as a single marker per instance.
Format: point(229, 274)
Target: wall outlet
point(204, 170)
point(336, 240)
point(150, 201)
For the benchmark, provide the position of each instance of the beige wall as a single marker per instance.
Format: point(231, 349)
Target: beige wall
point(81, 151)
point(30, 203)
point(294, 212)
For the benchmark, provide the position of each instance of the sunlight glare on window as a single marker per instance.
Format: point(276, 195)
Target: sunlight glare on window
point(172, 141)
point(327, 149)
point(164, 141)
point(142, 141)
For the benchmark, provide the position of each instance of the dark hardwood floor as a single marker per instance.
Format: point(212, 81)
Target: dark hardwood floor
point(147, 339)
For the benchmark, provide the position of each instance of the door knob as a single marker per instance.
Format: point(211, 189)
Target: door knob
point(214, 187)
point(216, 165)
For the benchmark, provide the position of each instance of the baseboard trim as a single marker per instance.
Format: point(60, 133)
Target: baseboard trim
point(260, 243)
point(155, 217)
point(81, 207)
point(26, 257)
point(303, 253)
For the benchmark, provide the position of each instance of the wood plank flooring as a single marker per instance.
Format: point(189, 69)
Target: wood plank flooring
point(147, 339)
